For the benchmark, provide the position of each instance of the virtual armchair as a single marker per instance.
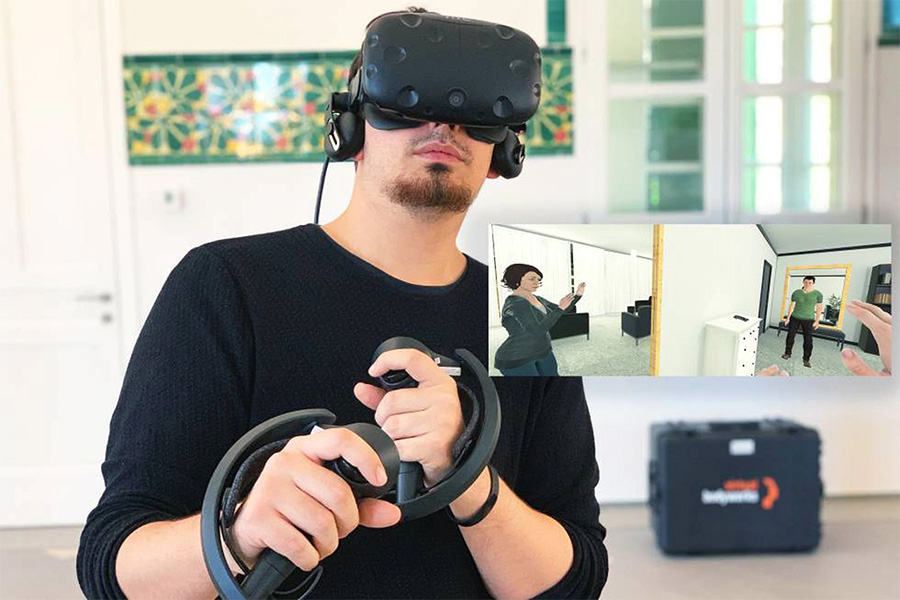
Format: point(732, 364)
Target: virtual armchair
point(637, 325)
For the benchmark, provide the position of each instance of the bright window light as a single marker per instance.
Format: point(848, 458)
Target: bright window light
point(820, 54)
point(769, 55)
point(820, 130)
point(819, 189)
point(765, 12)
point(768, 190)
point(769, 130)
point(820, 11)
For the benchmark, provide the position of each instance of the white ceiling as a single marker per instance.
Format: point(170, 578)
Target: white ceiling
point(806, 238)
point(621, 238)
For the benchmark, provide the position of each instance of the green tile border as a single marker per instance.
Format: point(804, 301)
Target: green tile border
point(205, 59)
point(556, 21)
point(269, 107)
point(889, 38)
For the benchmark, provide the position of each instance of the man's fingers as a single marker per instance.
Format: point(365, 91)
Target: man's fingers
point(378, 513)
point(370, 395)
point(406, 425)
point(419, 366)
point(875, 310)
point(287, 541)
point(856, 365)
point(338, 442)
point(310, 517)
point(406, 400)
point(331, 491)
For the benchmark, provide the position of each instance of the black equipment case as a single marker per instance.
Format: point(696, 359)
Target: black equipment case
point(735, 486)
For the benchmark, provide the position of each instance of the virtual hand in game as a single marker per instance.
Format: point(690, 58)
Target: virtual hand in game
point(424, 421)
point(301, 509)
point(773, 371)
point(879, 323)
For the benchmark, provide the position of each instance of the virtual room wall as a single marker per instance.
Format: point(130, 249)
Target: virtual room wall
point(709, 271)
point(862, 260)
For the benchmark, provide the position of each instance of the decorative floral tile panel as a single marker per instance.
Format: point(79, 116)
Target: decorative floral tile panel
point(271, 107)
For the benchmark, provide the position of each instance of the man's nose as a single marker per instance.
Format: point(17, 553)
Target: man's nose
point(449, 126)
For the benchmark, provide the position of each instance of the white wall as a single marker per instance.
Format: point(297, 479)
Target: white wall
point(709, 271)
point(886, 164)
point(862, 260)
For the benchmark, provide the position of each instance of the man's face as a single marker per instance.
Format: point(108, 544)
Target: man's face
point(434, 169)
point(808, 285)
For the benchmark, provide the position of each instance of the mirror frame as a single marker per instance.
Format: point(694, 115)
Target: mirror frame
point(787, 279)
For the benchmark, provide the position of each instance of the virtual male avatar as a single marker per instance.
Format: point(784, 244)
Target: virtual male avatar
point(804, 313)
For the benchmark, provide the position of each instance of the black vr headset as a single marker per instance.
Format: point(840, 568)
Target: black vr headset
point(426, 67)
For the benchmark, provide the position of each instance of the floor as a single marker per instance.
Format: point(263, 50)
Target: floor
point(858, 559)
point(825, 361)
point(607, 352)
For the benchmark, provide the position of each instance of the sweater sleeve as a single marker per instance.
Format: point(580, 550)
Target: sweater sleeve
point(559, 476)
point(184, 401)
point(519, 309)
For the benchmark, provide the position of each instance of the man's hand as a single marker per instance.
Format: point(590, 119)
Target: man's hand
point(787, 320)
point(580, 290)
point(300, 509)
point(424, 421)
point(565, 301)
point(879, 323)
point(815, 324)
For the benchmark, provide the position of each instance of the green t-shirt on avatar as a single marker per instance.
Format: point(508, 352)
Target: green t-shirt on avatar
point(805, 304)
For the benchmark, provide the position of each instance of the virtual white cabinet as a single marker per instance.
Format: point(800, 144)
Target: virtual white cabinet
point(730, 345)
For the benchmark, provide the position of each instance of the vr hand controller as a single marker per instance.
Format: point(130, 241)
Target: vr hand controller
point(243, 463)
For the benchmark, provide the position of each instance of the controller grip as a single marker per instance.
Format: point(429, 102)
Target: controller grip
point(270, 571)
point(410, 480)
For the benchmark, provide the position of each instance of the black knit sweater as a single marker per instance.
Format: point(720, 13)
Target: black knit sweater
point(249, 328)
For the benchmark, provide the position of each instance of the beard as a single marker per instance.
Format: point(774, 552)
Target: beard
point(432, 196)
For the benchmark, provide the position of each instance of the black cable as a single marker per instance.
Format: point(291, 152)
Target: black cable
point(321, 186)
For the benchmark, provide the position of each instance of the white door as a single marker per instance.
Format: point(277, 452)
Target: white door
point(59, 307)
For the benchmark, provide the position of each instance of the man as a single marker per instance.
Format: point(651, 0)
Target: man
point(249, 328)
point(804, 313)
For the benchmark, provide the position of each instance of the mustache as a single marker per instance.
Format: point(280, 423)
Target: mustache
point(441, 136)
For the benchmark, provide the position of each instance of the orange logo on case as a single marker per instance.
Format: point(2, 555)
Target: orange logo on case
point(772, 493)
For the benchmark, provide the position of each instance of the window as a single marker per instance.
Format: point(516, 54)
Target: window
point(657, 77)
point(737, 109)
point(890, 23)
point(790, 103)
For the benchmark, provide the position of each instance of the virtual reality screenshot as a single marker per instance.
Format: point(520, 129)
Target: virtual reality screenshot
point(542, 299)
point(785, 285)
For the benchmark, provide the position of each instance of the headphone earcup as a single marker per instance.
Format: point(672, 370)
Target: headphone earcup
point(508, 156)
point(348, 134)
